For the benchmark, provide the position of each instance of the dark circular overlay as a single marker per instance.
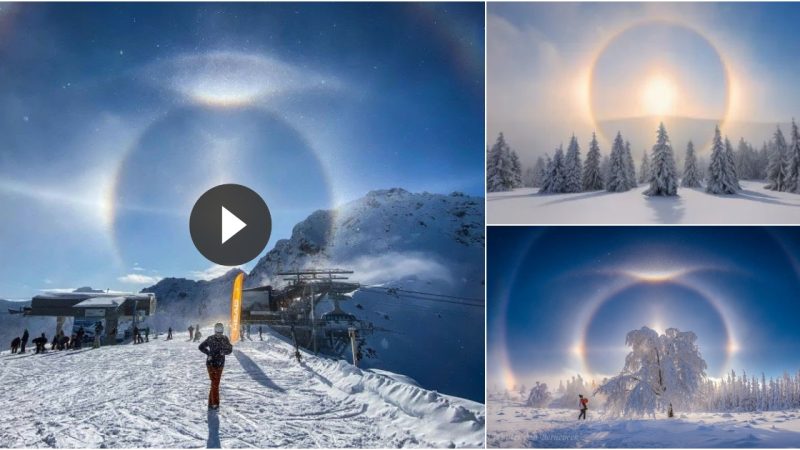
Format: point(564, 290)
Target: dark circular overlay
point(205, 224)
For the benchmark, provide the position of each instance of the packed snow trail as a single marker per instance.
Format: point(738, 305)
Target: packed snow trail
point(512, 425)
point(155, 395)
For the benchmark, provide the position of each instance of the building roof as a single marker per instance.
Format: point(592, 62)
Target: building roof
point(100, 302)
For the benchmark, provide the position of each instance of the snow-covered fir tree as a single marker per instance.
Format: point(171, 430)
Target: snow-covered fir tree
point(554, 178)
point(776, 168)
point(592, 172)
point(516, 169)
point(660, 371)
point(663, 173)
point(691, 173)
point(605, 168)
point(793, 169)
point(630, 168)
point(573, 168)
point(730, 167)
point(499, 167)
point(617, 177)
point(539, 171)
point(539, 397)
point(529, 178)
point(644, 168)
point(718, 178)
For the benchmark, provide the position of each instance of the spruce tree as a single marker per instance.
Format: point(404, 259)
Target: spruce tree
point(630, 168)
point(731, 178)
point(516, 168)
point(691, 174)
point(499, 170)
point(554, 181)
point(644, 169)
point(717, 179)
point(573, 179)
point(793, 170)
point(592, 175)
point(776, 169)
point(663, 173)
point(539, 171)
point(617, 180)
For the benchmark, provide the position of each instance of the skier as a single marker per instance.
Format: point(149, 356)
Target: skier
point(260, 338)
point(15, 345)
point(584, 406)
point(79, 338)
point(24, 341)
point(40, 342)
point(197, 334)
point(169, 334)
point(215, 347)
point(54, 342)
point(191, 330)
point(147, 334)
point(135, 334)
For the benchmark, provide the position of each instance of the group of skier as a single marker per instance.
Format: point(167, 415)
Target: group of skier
point(59, 342)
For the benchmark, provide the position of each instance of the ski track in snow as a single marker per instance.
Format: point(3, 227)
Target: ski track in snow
point(155, 395)
point(513, 425)
point(753, 205)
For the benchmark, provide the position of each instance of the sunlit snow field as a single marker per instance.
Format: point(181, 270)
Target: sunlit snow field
point(753, 205)
point(513, 425)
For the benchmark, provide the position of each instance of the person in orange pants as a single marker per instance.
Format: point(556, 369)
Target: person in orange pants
point(215, 347)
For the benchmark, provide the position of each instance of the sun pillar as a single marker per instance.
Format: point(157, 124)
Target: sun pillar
point(236, 306)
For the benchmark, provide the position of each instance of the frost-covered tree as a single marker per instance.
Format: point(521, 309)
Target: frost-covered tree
point(617, 177)
point(691, 173)
point(539, 171)
point(539, 397)
point(644, 169)
point(718, 180)
point(569, 393)
point(660, 371)
point(499, 167)
point(516, 169)
point(793, 169)
point(663, 173)
point(630, 168)
point(592, 172)
point(573, 168)
point(776, 168)
point(554, 178)
point(731, 177)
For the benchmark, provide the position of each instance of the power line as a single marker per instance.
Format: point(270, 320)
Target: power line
point(395, 291)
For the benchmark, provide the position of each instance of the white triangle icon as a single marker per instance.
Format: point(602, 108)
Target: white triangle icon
point(230, 225)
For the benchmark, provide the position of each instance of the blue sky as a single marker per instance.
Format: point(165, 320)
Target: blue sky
point(541, 78)
point(554, 291)
point(116, 117)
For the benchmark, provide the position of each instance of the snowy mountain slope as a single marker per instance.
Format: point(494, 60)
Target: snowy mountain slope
point(393, 238)
point(512, 425)
point(753, 205)
point(154, 395)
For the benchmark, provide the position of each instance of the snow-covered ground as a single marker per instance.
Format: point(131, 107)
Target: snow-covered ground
point(513, 425)
point(154, 395)
point(754, 205)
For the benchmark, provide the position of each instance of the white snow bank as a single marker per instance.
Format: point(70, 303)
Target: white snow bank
point(753, 205)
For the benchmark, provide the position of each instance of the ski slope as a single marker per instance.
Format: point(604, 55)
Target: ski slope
point(513, 425)
point(753, 205)
point(155, 395)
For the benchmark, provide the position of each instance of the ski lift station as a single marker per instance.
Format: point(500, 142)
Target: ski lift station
point(89, 307)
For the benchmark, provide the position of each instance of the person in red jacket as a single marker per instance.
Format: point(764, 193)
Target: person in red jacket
point(584, 406)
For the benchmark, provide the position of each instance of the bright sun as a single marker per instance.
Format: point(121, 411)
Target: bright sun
point(659, 95)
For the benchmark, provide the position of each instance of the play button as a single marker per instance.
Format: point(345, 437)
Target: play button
point(230, 224)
